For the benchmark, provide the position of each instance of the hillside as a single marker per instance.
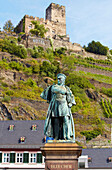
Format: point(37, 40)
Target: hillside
point(24, 73)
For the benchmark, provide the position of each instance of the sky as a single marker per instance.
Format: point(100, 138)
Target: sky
point(86, 20)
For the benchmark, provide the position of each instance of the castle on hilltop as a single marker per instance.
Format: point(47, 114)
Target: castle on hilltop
point(55, 22)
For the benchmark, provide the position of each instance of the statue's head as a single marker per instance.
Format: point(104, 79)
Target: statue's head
point(61, 79)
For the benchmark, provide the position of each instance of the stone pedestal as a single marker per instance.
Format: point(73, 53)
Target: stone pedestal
point(61, 156)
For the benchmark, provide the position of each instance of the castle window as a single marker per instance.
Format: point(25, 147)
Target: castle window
point(22, 139)
point(19, 157)
point(6, 157)
point(30, 26)
point(53, 31)
point(32, 157)
point(11, 127)
point(34, 127)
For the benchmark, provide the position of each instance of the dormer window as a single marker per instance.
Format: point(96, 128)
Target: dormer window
point(11, 127)
point(109, 159)
point(89, 159)
point(22, 139)
point(34, 127)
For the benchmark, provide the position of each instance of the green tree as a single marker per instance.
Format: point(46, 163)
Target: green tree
point(97, 48)
point(39, 29)
point(8, 26)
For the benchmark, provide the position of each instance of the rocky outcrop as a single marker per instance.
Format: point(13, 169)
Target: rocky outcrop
point(93, 94)
point(10, 77)
point(4, 112)
point(23, 109)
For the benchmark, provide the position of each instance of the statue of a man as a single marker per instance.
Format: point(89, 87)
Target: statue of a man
point(59, 122)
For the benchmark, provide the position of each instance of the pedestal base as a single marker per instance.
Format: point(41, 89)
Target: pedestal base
point(61, 156)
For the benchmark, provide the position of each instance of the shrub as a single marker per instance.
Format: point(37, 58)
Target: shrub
point(13, 48)
point(6, 99)
point(78, 92)
point(31, 83)
point(30, 52)
point(39, 29)
point(48, 69)
point(36, 68)
point(91, 133)
point(59, 51)
point(19, 39)
point(78, 106)
point(16, 66)
point(9, 92)
point(82, 82)
point(68, 61)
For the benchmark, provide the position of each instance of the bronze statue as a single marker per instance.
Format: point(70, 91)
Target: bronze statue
point(59, 122)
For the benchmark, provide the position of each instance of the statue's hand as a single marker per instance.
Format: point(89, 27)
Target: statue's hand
point(70, 105)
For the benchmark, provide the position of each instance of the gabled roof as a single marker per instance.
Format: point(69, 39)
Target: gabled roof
point(99, 157)
point(11, 139)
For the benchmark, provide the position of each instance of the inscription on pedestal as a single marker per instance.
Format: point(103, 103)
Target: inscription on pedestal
point(61, 156)
point(60, 166)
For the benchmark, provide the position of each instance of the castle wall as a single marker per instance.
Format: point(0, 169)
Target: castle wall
point(45, 43)
point(55, 21)
point(57, 43)
point(19, 27)
point(37, 41)
point(69, 45)
point(95, 56)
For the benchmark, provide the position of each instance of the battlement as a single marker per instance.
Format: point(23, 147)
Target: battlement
point(53, 5)
point(30, 17)
point(35, 18)
point(56, 13)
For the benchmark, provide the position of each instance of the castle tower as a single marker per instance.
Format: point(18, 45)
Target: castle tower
point(56, 13)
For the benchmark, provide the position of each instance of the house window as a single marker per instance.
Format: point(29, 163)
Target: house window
point(39, 157)
point(32, 158)
point(19, 157)
point(0, 157)
point(81, 164)
point(12, 157)
point(6, 157)
point(26, 158)
point(11, 127)
point(22, 139)
point(34, 127)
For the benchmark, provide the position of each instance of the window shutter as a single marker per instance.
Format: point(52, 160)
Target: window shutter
point(39, 157)
point(12, 157)
point(0, 157)
point(26, 158)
